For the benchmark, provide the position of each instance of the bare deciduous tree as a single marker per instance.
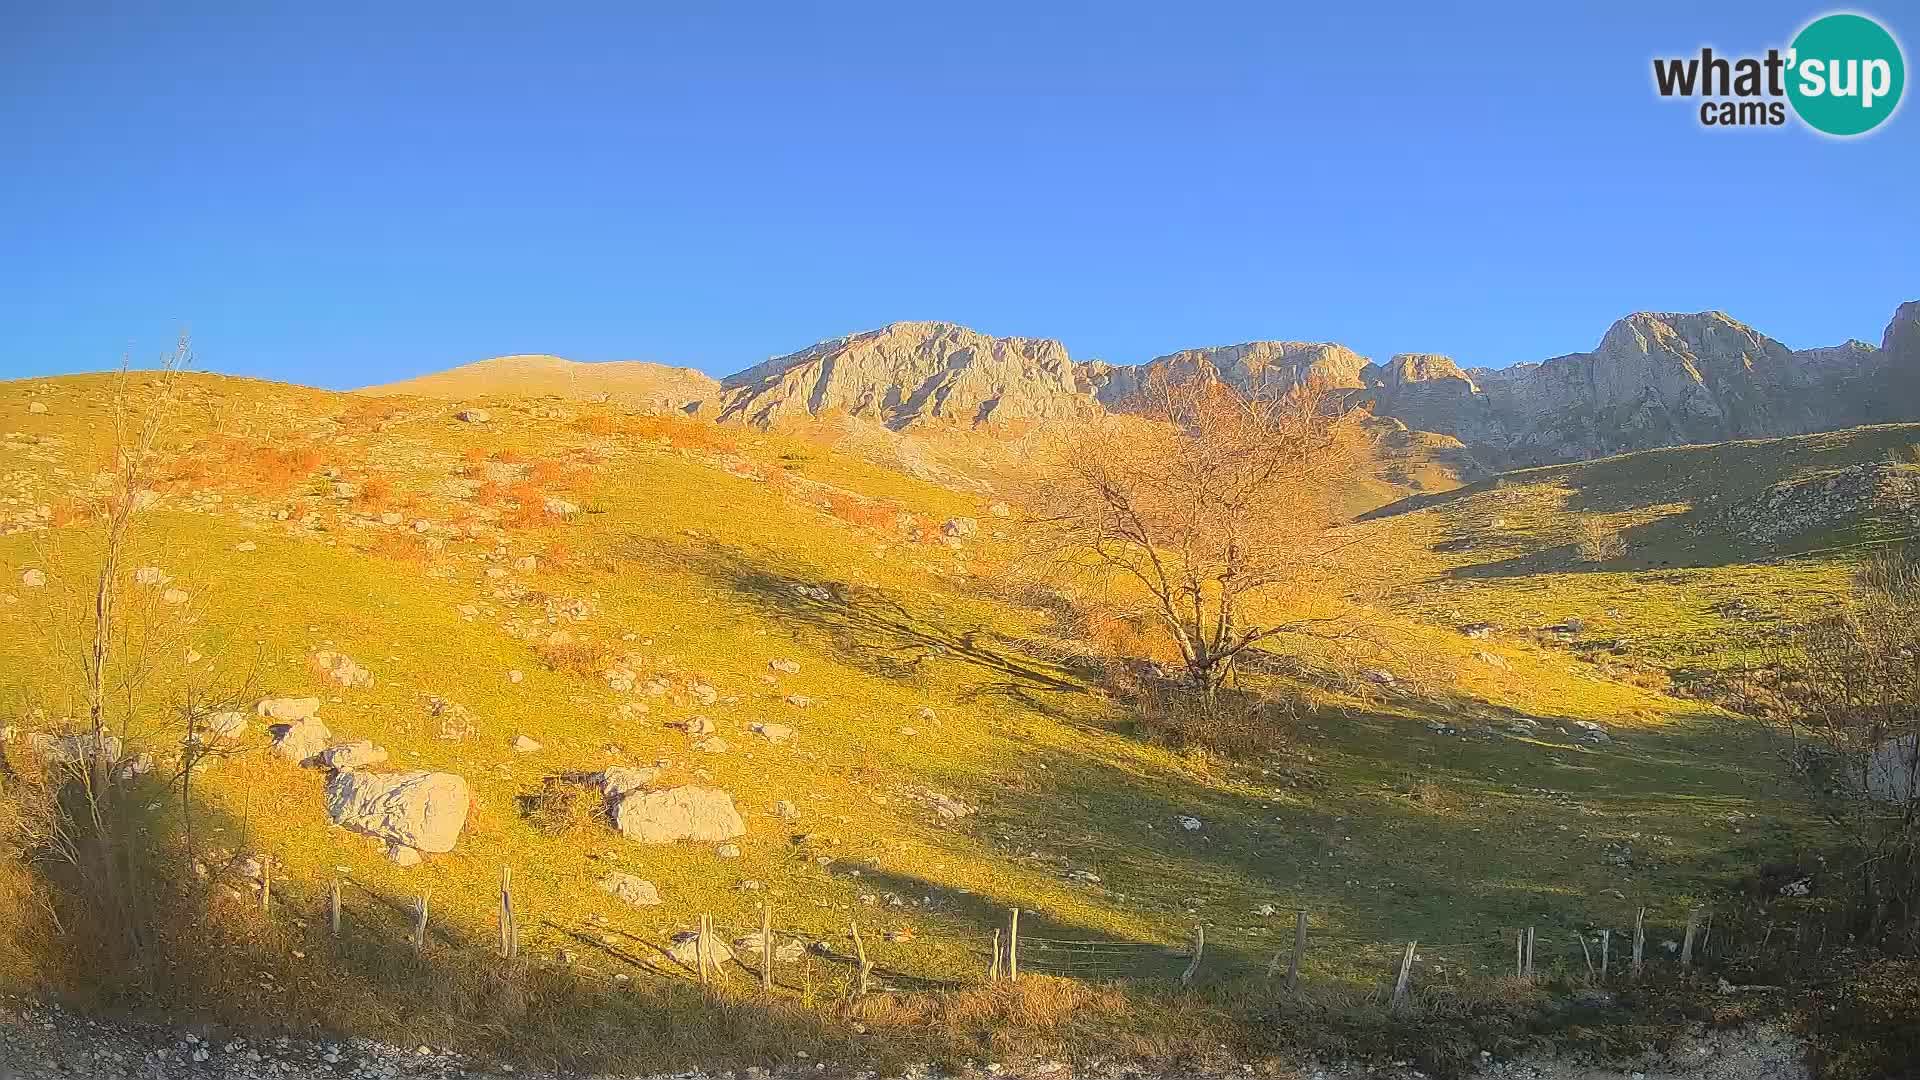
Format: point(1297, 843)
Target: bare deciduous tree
point(1848, 693)
point(1210, 499)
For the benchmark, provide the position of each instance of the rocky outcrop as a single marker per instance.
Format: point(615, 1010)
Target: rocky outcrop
point(1654, 380)
point(702, 814)
point(910, 373)
point(1262, 365)
point(424, 811)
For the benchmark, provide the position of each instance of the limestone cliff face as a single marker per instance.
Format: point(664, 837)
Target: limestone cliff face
point(1655, 379)
point(910, 373)
point(1262, 364)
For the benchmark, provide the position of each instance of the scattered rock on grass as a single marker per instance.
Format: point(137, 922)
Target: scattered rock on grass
point(353, 755)
point(524, 745)
point(700, 814)
point(301, 740)
point(630, 890)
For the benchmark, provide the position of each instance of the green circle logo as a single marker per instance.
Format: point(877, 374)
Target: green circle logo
point(1845, 74)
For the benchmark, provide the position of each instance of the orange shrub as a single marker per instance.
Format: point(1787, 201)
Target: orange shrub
point(531, 511)
point(683, 434)
point(400, 547)
point(376, 493)
point(572, 657)
point(68, 511)
point(596, 424)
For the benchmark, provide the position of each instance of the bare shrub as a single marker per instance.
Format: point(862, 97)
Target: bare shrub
point(1595, 541)
point(1846, 689)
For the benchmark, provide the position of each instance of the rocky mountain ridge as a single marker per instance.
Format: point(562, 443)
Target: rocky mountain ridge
point(1654, 379)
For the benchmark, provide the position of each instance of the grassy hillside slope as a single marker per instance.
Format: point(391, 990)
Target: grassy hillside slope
point(490, 576)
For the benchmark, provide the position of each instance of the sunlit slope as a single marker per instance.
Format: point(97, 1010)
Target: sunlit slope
point(564, 542)
point(540, 375)
point(1722, 547)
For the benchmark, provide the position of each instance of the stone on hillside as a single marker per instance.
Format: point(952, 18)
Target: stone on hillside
point(150, 576)
point(33, 578)
point(617, 780)
point(960, 527)
point(1592, 733)
point(559, 507)
point(227, 724)
point(1492, 660)
point(712, 744)
point(945, 807)
point(785, 667)
point(524, 745)
point(1190, 824)
point(74, 749)
point(700, 814)
point(704, 694)
point(455, 720)
point(728, 851)
point(176, 597)
point(1000, 510)
point(799, 701)
point(302, 740)
point(246, 545)
point(699, 725)
point(340, 669)
point(287, 709)
point(786, 811)
point(773, 733)
point(785, 950)
point(353, 755)
point(402, 855)
point(630, 890)
point(685, 949)
point(1478, 630)
point(473, 416)
point(515, 676)
point(37, 407)
point(420, 810)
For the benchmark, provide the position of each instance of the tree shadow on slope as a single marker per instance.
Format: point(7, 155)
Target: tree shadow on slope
point(872, 631)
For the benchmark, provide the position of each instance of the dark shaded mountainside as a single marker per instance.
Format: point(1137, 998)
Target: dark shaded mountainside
point(1654, 380)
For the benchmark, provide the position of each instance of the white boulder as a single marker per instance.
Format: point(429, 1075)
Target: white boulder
point(420, 810)
point(700, 814)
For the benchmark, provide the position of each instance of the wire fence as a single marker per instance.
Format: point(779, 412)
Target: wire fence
point(1746, 937)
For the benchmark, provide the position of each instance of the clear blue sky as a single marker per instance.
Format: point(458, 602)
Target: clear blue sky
point(370, 193)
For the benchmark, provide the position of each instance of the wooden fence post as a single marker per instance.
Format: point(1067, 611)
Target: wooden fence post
point(1520, 954)
point(509, 931)
point(1406, 973)
point(1587, 955)
point(333, 907)
point(1639, 942)
point(766, 946)
point(1300, 950)
point(1013, 946)
point(1199, 949)
point(420, 923)
point(860, 955)
point(1529, 954)
point(993, 973)
point(1606, 947)
point(266, 884)
point(700, 947)
point(1686, 947)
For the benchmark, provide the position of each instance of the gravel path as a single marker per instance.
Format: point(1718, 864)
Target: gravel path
point(41, 1042)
